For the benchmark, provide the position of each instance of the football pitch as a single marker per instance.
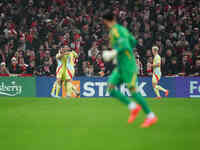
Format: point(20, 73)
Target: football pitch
point(96, 124)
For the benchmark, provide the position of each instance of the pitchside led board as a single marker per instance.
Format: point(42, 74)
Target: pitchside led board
point(96, 87)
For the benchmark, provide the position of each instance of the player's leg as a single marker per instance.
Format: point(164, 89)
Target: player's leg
point(161, 88)
point(113, 81)
point(68, 83)
point(53, 89)
point(75, 90)
point(151, 118)
point(58, 87)
point(155, 80)
point(157, 88)
point(69, 88)
point(57, 83)
point(72, 87)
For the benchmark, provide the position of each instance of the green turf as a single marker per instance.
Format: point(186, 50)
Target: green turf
point(96, 124)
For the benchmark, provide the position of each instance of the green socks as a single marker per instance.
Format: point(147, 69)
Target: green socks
point(117, 94)
point(141, 101)
point(124, 99)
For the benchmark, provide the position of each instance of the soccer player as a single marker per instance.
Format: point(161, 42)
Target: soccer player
point(123, 42)
point(70, 68)
point(59, 72)
point(157, 73)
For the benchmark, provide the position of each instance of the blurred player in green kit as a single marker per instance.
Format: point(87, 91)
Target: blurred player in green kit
point(122, 43)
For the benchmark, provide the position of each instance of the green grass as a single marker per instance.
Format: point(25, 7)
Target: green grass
point(96, 124)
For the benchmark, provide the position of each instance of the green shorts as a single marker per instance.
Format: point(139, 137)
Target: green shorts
point(116, 79)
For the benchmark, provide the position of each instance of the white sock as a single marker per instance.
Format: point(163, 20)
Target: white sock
point(150, 115)
point(132, 105)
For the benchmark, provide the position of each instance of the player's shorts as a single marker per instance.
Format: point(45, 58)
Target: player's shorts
point(116, 79)
point(156, 77)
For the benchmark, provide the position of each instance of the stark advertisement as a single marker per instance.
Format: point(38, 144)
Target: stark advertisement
point(97, 87)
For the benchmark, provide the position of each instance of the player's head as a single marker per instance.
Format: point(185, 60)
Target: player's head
point(60, 51)
point(155, 50)
point(109, 19)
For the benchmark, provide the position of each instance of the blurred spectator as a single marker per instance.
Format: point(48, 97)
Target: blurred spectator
point(90, 72)
point(3, 69)
point(173, 68)
point(31, 69)
point(93, 52)
point(139, 64)
point(149, 69)
point(164, 68)
point(39, 28)
point(185, 66)
point(14, 68)
point(196, 68)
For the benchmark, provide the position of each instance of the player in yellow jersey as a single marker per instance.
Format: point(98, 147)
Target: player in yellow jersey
point(70, 71)
point(157, 73)
point(59, 74)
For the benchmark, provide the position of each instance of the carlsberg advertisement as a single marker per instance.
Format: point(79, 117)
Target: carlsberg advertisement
point(17, 86)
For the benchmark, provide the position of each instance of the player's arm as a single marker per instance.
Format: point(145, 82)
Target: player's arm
point(59, 56)
point(65, 53)
point(75, 54)
point(75, 57)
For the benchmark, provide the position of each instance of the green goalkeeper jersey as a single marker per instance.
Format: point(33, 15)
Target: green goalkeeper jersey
point(123, 42)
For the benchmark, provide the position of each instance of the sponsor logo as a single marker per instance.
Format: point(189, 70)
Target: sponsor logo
point(91, 89)
point(11, 89)
point(194, 89)
point(75, 89)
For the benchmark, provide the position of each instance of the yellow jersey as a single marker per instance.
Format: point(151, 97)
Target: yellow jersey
point(71, 57)
point(157, 60)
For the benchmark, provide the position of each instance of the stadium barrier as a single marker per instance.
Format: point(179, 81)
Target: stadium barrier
point(96, 87)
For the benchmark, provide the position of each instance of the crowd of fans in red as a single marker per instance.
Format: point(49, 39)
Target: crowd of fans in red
point(32, 31)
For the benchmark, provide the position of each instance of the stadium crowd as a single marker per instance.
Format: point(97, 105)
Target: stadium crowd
point(32, 31)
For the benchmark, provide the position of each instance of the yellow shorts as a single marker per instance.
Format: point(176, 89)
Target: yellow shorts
point(155, 78)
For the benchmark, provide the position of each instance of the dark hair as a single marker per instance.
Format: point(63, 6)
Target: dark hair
point(108, 15)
